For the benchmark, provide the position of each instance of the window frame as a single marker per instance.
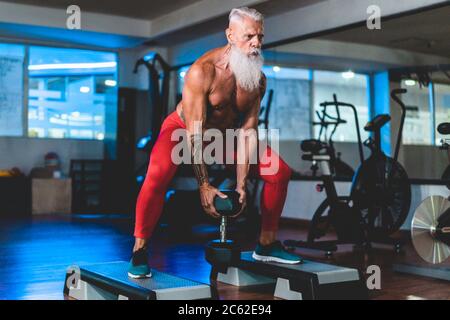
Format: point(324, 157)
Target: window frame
point(433, 100)
point(25, 102)
point(432, 109)
point(368, 89)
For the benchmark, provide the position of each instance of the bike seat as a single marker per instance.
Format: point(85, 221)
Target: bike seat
point(312, 145)
point(376, 123)
point(444, 128)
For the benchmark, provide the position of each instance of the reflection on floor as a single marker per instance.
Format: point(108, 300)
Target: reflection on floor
point(35, 253)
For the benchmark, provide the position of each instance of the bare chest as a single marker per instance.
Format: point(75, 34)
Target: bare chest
point(226, 94)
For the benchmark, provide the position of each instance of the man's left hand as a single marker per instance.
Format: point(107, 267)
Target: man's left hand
point(242, 200)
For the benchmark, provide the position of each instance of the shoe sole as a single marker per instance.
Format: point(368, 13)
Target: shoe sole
point(145, 276)
point(274, 259)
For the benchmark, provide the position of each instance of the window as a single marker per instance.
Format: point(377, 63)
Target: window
point(418, 120)
point(350, 88)
point(71, 93)
point(442, 106)
point(291, 103)
point(11, 89)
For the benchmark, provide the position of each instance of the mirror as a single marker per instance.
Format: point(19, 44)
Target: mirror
point(361, 66)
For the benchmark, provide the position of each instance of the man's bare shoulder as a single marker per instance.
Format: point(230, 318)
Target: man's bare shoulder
point(199, 77)
point(212, 56)
point(203, 70)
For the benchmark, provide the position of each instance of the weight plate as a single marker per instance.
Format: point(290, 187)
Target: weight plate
point(425, 220)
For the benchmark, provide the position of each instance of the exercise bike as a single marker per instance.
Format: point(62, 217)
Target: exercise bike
point(159, 85)
point(381, 188)
point(380, 195)
point(430, 230)
point(338, 168)
point(446, 174)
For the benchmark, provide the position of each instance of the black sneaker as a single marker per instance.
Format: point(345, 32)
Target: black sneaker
point(139, 267)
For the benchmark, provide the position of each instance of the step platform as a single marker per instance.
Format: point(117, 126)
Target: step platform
point(436, 272)
point(307, 281)
point(110, 281)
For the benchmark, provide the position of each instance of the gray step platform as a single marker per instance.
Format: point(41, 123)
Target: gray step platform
point(435, 272)
point(110, 281)
point(309, 280)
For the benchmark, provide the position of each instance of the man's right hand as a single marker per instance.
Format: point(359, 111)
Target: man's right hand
point(207, 195)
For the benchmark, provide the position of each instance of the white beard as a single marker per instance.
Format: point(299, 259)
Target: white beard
point(247, 69)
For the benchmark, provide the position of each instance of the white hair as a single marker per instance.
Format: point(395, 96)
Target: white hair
point(240, 13)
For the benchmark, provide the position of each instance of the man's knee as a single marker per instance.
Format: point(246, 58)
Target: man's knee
point(284, 172)
point(281, 175)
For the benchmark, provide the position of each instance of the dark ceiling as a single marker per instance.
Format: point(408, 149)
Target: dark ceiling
point(144, 9)
point(426, 32)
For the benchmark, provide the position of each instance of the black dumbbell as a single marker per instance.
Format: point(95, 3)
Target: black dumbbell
point(222, 252)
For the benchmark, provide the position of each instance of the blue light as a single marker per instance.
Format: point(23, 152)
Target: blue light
point(149, 56)
point(169, 193)
point(143, 142)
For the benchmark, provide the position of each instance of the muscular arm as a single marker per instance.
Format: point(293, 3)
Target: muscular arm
point(249, 125)
point(195, 92)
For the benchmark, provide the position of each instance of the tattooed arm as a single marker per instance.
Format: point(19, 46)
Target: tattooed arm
point(197, 86)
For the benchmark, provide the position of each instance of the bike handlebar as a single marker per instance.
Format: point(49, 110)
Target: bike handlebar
point(394, 96)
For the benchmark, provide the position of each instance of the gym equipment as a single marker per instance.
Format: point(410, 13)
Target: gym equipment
point(109, 281)
point(310, 280)
point(430, 233)
point(264, 112)
point(159, 85)
point(307, 281)
point(430, 230)
point(159, 70)
point(381, 188)
point(223, 251)
point(445, 127)
point(338, 168)
point(379, 200)
point(334, 212)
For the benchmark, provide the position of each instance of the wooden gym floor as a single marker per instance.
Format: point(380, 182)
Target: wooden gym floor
point(35, 253)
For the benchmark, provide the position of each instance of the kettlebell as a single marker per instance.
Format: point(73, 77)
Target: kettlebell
point(220, 253)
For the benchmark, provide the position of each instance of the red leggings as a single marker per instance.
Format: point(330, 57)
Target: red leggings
point(161, 170)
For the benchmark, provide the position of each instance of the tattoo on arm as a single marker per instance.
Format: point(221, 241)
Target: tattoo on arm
point(200, 170)
point(182, 115)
